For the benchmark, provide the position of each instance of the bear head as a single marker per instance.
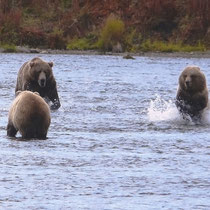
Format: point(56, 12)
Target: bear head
point(40, 71)
point(192, 79)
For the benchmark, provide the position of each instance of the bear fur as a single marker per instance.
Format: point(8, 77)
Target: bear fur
point(36, 75)
point(30, 115)
point(192, 94)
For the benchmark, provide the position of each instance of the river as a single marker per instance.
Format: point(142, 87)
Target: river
point(117, 142)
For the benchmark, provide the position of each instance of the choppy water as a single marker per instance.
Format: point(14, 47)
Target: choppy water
point(117, 142)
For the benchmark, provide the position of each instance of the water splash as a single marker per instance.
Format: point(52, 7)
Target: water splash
point(162, 110)
point(206, 115)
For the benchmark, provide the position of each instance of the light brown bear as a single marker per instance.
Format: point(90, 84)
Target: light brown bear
point(192, 94)
point(36, 75)
point(30, 115)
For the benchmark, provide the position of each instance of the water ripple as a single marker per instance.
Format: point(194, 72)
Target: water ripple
point(117, 142)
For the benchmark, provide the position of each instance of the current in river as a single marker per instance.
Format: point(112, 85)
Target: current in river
point(117, 142)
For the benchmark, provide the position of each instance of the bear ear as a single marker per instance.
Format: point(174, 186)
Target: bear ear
point(50, 64)
point(36, 93)
point(17, 93)
point(32, 64)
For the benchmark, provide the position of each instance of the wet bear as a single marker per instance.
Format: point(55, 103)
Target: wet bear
point(30, 115)
point(192, 94)
point(37, 76)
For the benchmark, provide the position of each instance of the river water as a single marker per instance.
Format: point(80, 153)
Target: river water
point(117, 142)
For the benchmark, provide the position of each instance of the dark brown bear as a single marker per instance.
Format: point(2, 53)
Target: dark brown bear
point(192, 94)
point(30, 115)
point(37, 76)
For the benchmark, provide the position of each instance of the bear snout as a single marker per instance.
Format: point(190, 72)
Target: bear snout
point(42, 79)
point(188, 83)
point(42, 82)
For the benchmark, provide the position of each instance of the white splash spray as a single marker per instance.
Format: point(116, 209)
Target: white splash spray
point(206, 114)
point(162, 110)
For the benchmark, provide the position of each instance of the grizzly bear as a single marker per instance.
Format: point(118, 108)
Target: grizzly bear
point(192, 94)
point(30, 115)
point(37, 76)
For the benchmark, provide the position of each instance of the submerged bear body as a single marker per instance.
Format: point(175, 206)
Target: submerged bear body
point(37, 76)
point(192, 94)
point(30, 115)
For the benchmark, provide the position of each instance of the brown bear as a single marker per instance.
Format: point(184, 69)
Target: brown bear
point(30, 115)
point(37, 76)
point(192, 94)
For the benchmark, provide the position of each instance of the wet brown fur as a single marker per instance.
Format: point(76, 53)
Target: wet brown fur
point(192, 94)
point(36, 75)
point(30, 115)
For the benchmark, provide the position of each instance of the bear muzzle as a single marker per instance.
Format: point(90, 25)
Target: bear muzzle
point(42, 79)
point(188, 83)
point(42, 82)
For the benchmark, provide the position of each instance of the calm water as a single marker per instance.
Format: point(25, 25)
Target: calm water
point(117, 142)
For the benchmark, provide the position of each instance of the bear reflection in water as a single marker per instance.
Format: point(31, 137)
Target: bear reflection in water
point(192, 94)
point(30, 115)
point(37, 76)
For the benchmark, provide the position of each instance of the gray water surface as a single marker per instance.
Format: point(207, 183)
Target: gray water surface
point(117, 142)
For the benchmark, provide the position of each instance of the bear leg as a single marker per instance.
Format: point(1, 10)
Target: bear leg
point(34, 133)
point(41, 133)
point(11, 130)
point(41, 136)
